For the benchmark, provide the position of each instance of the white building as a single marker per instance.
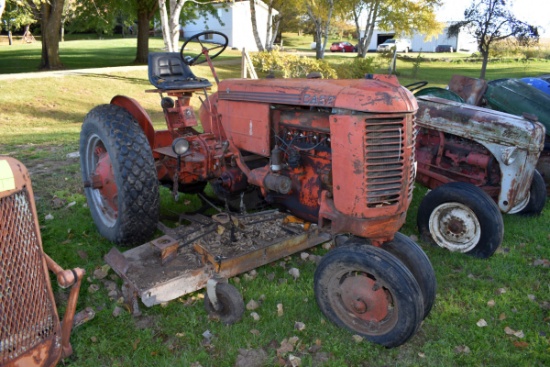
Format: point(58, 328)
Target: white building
point(463, 43)
point(237, 24)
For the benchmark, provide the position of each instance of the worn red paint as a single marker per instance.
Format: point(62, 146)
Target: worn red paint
point(346, 147)
point(31, 332)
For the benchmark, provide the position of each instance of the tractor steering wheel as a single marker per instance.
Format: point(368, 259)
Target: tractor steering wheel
point(189, 60)
point(416, 85)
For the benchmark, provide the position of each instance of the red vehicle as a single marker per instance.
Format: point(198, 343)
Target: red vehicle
point(338, 153)
point(342, 47)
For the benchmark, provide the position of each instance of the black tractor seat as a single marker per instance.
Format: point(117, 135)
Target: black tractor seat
point(167, 71)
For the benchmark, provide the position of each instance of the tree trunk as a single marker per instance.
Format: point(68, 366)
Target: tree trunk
point(170, 23)
point(320, 39)
point(165, 26)
point(255, 26)
point(268, 42)
point(366, 36)
point(50, 23)
point(142, 51)
point(319, 52)
point(327, 27)
point(485, 55)
point(174, 22)
point(276, 24)
point(10, 38)
point(145, 11)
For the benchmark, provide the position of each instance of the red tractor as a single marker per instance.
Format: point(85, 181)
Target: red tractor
point(339, 153)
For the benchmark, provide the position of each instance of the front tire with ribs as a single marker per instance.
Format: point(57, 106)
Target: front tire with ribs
point(119, 175)
point(370, 292)
point(416, 260)
point(461, 217)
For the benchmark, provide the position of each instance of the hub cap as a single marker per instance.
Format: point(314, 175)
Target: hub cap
point(361, 296)
point(101, 181)
point(455, 226)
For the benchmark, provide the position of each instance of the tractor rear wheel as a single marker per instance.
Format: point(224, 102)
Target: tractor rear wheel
point(416, 260)
point(462, 218)
point(368, 291)
point(119, 175)
point(537, 196)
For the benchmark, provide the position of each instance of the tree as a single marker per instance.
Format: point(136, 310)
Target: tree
point(83, 16)
point(490, 21)
point(145, 11)
point(320, 13)
point(290, 18)
point(404, 17)
point(49, 13)
point(100, 16)
point(272, 28)
point(171, 18)
point(68, 13)
point(287, 11)
point(16, 15)
point(255, 25)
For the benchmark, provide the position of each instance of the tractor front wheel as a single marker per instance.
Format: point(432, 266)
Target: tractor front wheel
point(461, 218)
point(119, 175)
point(416, 260)
point(370, 292)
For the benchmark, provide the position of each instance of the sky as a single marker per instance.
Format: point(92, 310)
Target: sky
point(531, 11)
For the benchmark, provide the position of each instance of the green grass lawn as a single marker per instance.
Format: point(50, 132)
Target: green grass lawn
point(40, 121)
point(81, 54)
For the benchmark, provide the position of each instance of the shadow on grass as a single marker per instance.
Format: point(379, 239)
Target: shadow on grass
point(138, 81)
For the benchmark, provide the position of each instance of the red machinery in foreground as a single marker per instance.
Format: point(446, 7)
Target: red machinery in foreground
point(338, 153)
point(31, 333)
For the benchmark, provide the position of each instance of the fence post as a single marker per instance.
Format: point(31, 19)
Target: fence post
point(247, 66)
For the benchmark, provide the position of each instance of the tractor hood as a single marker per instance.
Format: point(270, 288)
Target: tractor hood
point(480, 124)
point(377, 94)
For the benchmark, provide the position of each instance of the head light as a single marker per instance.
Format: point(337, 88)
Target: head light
point(509, 155)
point(180, 146)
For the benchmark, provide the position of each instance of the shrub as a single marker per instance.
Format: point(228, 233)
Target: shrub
point(290, 65)
point(416, 65)
point(357, 68)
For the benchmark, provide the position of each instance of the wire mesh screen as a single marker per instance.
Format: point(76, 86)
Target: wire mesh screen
point(27, 311)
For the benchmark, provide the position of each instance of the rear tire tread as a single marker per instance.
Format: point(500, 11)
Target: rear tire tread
point(132, 159)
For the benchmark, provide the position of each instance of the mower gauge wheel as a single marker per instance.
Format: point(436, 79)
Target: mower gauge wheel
point(462, 218)
point(230, 302)
point(370, 292)
point(219, 47)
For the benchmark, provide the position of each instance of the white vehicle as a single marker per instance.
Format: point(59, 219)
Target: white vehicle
point(402, 45)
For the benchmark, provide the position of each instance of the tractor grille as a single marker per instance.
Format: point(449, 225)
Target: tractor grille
point(412, 173)
point(384, 158)
point(27, 312)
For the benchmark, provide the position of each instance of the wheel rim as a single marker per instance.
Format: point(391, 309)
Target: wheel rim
point(103, 191)
point(520, 206)
point(360, 300)
point(455, 226)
